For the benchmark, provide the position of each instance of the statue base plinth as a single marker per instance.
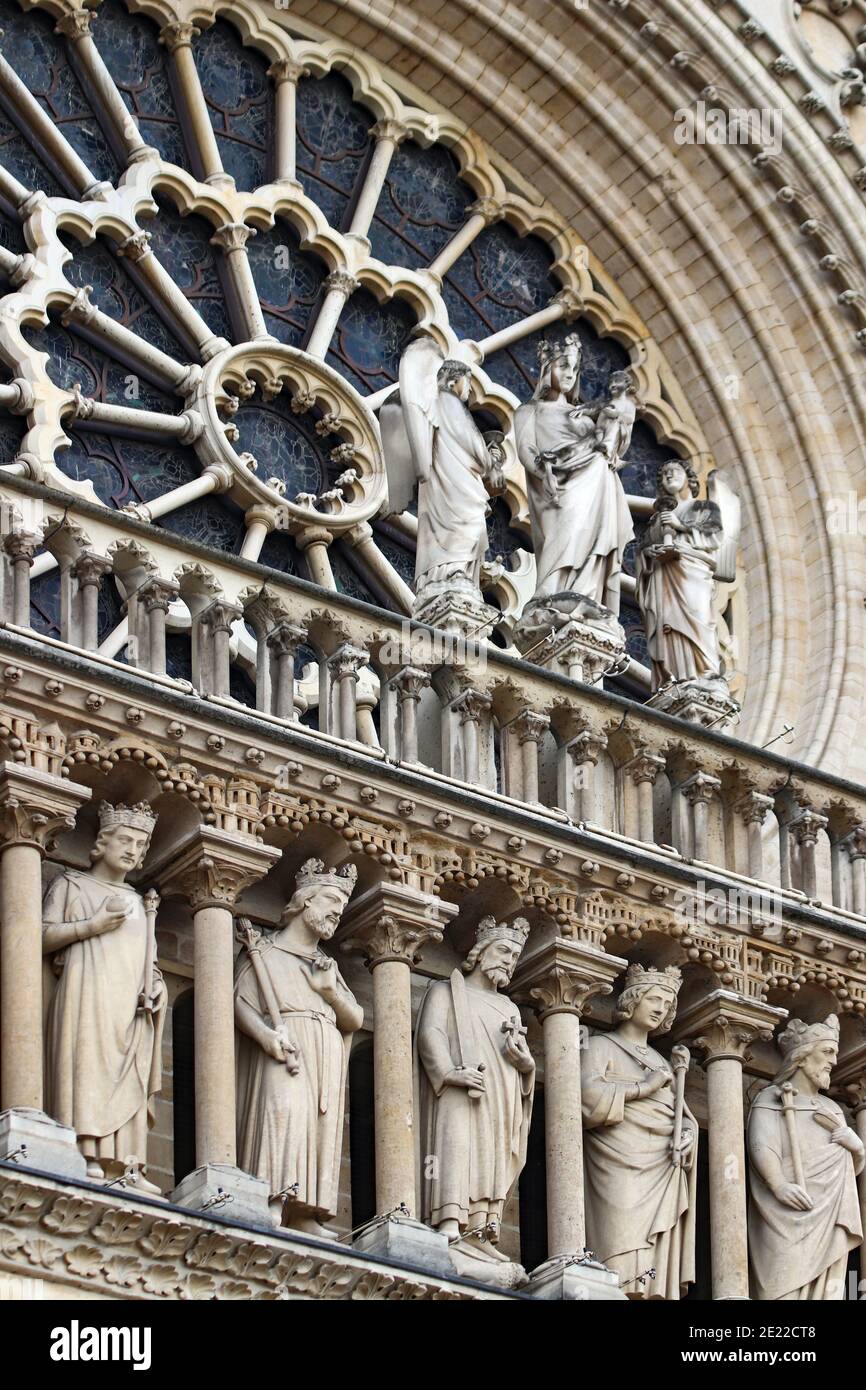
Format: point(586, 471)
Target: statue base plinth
point(706, 702)
point(32, 1139)
point(584, 1281)
point(473, 1260)
point(407, 1242)
point(455, 608)
point(573, 636)
point(223, 1190)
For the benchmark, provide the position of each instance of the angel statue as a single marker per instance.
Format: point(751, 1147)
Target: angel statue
point(688, 546)
point(430, 439)
point(572, 453)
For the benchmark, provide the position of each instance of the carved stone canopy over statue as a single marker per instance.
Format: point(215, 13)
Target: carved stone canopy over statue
point(295, 1016)
point(431, 442)
point(476, 1079)
point(640, 1145)
point(572, 453)
point(688, 545)
point(106, 999)
point(804, 1216)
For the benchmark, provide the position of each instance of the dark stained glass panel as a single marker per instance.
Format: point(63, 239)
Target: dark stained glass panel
point(130, 48)
point(333, 139)
point(421, 205)
point(238, 93)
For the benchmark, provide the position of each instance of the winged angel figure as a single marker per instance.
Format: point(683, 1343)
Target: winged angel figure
point(689, 546)
point(431, 441)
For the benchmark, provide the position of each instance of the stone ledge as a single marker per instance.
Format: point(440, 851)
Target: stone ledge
point(120, 1246)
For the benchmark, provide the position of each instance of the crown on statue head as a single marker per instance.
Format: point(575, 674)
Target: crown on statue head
point(313, 871)
point(489, 929)
point(138, 817)
point(645, 977)
point(553, 351)
point(798, 1036)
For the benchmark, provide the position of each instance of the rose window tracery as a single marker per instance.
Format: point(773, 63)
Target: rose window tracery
point(212, 256)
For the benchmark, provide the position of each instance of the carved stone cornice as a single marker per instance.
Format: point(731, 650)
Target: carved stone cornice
point(724, 1025)
point(213, 867)
point(119, 1247)
point(392, 921)
point(36, 807)
point(563, 977)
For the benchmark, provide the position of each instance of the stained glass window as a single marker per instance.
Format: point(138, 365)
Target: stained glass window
point(235, 83)
point(332, 142)
point(422, 205)
point(288, 281)
point(130, 48)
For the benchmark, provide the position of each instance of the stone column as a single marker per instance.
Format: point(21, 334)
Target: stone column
point(753, 808)
point(339, 285)
point(89, 571)
point(805, 829)
point(469, 707)
point(699, 790)
point(211, 870)
point(21, 547)
point(314, 542)
point(388, 134)
point(529, 729)
point(178, 38)
point(136, 248)
point(95, 78)
point(156, 596)
point(643, 769)
point(232, 238)
point(482, 213)
point(283, 641)
point(390, 924)
point(214, 625)
point(344, 666)
point(408, 683)
point(34, 808)
point(856, 844)
point(582, 798)
point(723, 1027)
point(285, 75)
point(558, 982)
point(363, 542)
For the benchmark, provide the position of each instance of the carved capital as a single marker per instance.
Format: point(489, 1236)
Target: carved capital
point(855, 842)
point(178, 35)
point(571, 304)
point(284, 70)
point(753, 807)
point(391, 129)
point(232, 236)
point(586, 747)
point(135, 247)
point(213, 867)
point(79, 309)
point(341, 280)
point(392, 921)
point(35, 807)
point(806, 827)
point(530, 727)
point(488, 208)
point(221, 615)
point(409, 682)
point(75, 25)
point(701, 786)
point(644, 767)
point(313, 535)
point(471, 705)
point(157, 593)
point(90, 568)
point(285, 638)
point(23, 545)
point(347, 661)
point(563, 977)
point(724, 1025)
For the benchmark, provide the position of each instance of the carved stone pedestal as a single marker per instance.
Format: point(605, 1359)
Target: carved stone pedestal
point(565, 1281)
point(407, 1242)
point(219, 1189)
point(582, 647)
point(454, 609)
point(32, 1139)
point(702, 702)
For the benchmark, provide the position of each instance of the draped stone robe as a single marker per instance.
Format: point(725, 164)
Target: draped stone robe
point(102, 1056)
point(472, 1151)
point(579, 543)
point(452, 499)
point(639, 1207)
point(676, 596)
point(290, 1128)
point(799, 1255)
